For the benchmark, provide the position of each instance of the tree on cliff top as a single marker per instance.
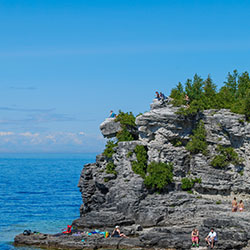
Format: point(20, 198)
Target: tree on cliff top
point(233, 95)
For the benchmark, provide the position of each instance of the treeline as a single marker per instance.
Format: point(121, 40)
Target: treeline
point(199, 94)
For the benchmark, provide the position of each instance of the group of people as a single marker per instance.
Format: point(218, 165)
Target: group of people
point(236, 206)
point(160, 97)
point(210, 239)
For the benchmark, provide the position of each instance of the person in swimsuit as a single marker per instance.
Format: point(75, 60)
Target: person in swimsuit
point(117, 233)
point(187, 100)
point(241, 206)
point(195, 237)
point(234, 205)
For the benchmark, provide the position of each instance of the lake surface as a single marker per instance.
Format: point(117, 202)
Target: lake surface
point(38, 192)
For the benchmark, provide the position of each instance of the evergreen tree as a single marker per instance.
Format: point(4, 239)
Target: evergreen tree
point(209, 93)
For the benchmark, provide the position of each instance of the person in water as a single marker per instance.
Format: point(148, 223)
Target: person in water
point(117, 233)
point(112, 114)
point(234, 205)
point(241, 206)
point(211, 238)
point(195, 237)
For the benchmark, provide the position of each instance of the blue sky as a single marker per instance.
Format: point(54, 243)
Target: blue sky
point(65, 64)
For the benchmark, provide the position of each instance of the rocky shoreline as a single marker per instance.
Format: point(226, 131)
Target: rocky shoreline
point(164, 219)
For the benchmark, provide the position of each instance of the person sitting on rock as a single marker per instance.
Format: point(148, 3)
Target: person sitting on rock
point(195, 237)
point(241, 206)
point(211, 238)
point(162, 96)
point(234, 205)
point(112, 114)
point(117, 233)
point(157, 96)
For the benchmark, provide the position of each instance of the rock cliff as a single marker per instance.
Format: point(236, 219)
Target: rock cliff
point(165, 219)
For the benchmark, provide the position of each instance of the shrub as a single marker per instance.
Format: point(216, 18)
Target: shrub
point(140, 166)
point(124, 135)
point(241, 172)
point(176, 143)
point(226, 155)
point(127, 121)
point(219, 161)
point(159, 175)
point(129, 154)
point(198, 143)
point(188, 184)
point(109, 149)
point(110, 168)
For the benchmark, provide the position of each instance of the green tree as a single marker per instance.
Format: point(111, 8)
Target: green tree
point(209, 98)
point(198, 143)
point(159, 175)
point(109, 149)
point(140, 166)
point(178, 95)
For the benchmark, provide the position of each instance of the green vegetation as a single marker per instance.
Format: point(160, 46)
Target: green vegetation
point(156, 175)
point(110, 168)
point(159, 175)
point(241, 172)
point(127, 121)
point(218, 202)
point(140, 166)
point(226, 155)
point(198, 143)
point(129, 154)
point(176, 143)
point(124, 135)
point(187, 184)
point(109, 149)
point(202, 94)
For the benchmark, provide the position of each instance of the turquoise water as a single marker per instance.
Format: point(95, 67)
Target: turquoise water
point(38, 192)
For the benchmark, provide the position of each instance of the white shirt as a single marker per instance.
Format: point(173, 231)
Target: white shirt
point(212, 235)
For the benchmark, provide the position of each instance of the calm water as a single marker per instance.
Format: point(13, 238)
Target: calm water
point(38, 192)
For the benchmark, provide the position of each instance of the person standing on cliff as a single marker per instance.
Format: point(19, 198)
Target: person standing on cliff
point(234, 205)
point(241, 206)
point(187, 100)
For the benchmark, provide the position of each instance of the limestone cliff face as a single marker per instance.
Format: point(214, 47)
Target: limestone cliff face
point(166, 219)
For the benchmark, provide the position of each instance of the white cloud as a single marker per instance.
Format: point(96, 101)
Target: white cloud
point(6, 133)
point(29, 141)
point(28, 134)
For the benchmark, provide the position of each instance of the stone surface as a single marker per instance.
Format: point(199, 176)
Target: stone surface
point(165, 220)
point(109, 127)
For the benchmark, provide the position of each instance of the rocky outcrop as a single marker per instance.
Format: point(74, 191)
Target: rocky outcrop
point(166, 219)
point(110, 127)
